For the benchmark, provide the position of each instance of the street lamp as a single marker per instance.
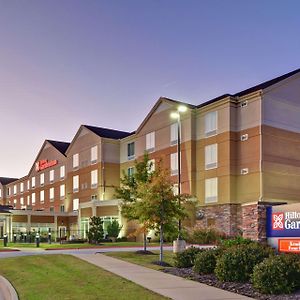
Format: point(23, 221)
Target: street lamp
point(179, 244)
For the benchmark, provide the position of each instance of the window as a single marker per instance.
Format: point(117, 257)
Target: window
point(151, 165)
point(211, 123)
point(15, 202)
point(51, 209)
point(94, 154)
point(51, 194)
point(130, 151)
point(62, 172)
point(174, 134)
point(150, 141)
point(130, 171)
point(8, 191)
point(42, 196)
point(15, 189)
point(94, 178)
point(33, 182)
point(22, 187)
point(75, 204)
point(28, 200)
point(75, 183)
point(62, 191)
point(211, 190)
point(94, 197)
point(51, 175)
point(33, 198)
point(174, 164)
point(62, 208)
point(28, 184)
point(42, 179)
point(0, 193)
point(22, 201)
point(76, 160)
point(211, 156)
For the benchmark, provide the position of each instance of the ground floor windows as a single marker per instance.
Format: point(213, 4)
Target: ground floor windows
point(85, 225)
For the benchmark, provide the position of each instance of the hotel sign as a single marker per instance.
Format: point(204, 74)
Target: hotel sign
point(283, 221)
point(44, 164)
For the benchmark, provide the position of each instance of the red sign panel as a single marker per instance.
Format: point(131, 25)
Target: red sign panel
point(44, 164)
point(289, 245)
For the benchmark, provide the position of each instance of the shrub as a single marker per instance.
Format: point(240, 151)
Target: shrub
point(237, 262)
point(122, 239)
point(205, 261)
point(277, 275)
point(239, 240)
point(186, 259)
point(204, 236)
point(113, 229)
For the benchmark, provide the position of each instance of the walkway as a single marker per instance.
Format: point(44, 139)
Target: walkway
point(7, 292)
point(171, 286)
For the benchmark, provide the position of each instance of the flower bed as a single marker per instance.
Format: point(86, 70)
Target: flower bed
point(245, 289)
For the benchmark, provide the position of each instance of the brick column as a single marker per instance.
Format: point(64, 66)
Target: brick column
point(254, 221)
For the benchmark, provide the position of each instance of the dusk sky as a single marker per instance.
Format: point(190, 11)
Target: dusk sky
point(105, 63)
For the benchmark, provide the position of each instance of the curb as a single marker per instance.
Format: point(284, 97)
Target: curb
point(9, 250)
point(101, 247)
point(7, 291)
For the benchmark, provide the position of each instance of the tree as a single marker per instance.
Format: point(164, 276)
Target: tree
point(158, 205)
point(113, 229)
point(128, 192)
point(95, 233)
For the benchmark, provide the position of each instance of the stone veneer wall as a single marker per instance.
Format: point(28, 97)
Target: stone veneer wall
point(254, 220)
point(225, 218)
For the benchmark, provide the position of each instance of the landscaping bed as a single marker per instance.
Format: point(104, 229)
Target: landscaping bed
point(245, 289)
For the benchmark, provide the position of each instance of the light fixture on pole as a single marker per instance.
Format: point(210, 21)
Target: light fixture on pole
point(179, 244)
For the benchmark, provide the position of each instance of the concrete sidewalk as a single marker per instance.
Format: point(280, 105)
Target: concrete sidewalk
point(170, 286)
point(7, 291)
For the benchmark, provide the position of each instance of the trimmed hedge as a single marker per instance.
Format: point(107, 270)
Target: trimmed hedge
point(239, 240)
point(204, 236)
point(186, 258)
point(236, 263)
point(277, 275)
point(205, 262)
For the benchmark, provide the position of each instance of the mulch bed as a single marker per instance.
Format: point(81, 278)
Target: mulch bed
point(245, 289)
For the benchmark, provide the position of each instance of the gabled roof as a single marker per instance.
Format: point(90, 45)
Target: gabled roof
point(60, 146)
point(156, 105)
point(266, 84)
point(6, 209)
point(108, 133)
point(7, 180)
point(253, 89)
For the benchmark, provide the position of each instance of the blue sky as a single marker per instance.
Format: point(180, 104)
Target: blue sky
point(105, 63)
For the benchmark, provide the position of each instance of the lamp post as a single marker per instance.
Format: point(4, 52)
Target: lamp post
point(179, 244)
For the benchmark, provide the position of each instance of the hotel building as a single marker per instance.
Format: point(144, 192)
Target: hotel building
point(239, 154)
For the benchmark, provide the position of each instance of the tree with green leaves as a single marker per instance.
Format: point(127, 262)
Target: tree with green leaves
point(95, 233)
point(158, 205)
point(128, 192)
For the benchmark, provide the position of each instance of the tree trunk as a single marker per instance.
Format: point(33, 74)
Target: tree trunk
point(145, 241)
point(161, 241)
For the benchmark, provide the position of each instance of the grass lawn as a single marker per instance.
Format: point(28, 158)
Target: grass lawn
point(85, 245)
point(143, 260)
point(66, 277)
